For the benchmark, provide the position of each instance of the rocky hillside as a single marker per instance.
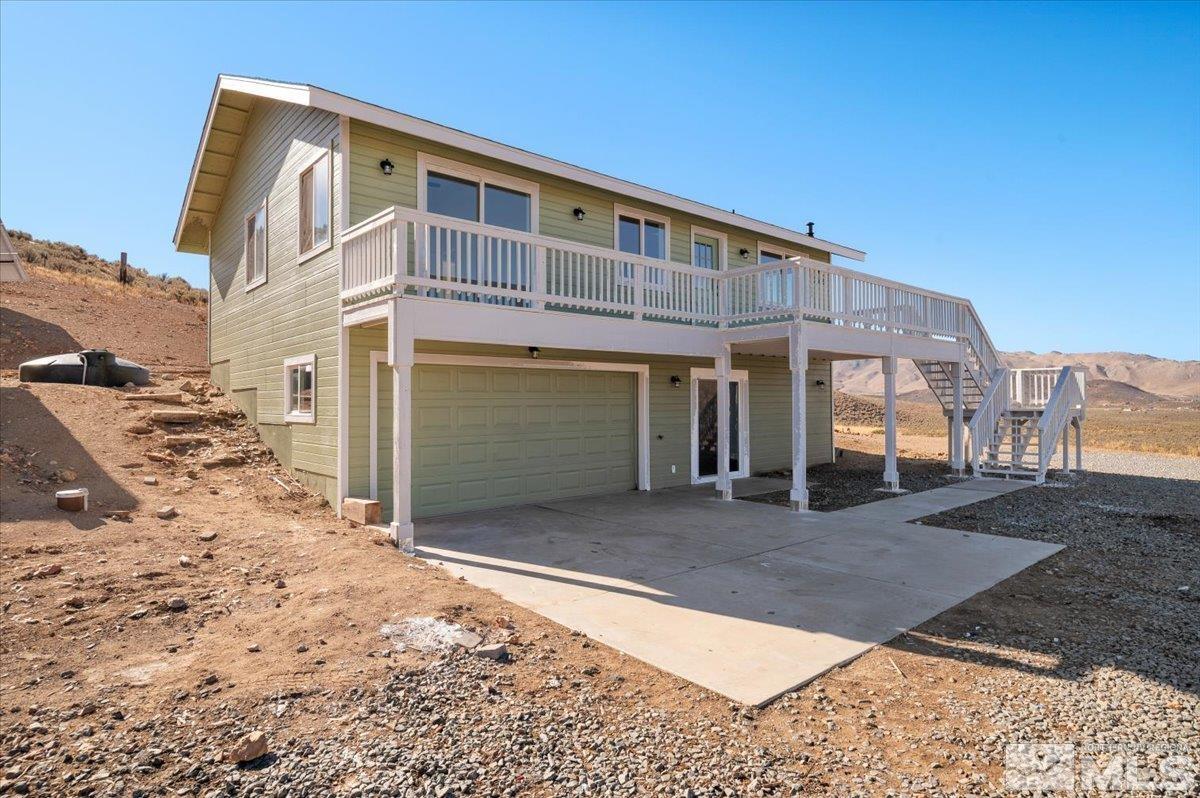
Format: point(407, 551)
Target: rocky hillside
point(73, 262)
point(1116, 377)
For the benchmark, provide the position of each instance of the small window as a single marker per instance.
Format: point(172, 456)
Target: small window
point(641, 236)
point(315, 207)
point(300, 389)
point(256, 246)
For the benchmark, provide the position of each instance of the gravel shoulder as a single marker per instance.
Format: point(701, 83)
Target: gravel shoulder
point(856, 478)
point(1167, 466)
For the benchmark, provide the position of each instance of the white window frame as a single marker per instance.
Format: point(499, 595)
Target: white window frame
point(722, 239)
point(261, 206)
point(742, 378)
point(289, 365)
point(302, 256)
point(763, 287)
point(663, 283)
point(427, 163)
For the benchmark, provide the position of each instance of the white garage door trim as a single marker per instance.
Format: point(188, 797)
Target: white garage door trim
point(642, 370)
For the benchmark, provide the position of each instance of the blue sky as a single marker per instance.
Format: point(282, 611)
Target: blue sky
point(1041, 159)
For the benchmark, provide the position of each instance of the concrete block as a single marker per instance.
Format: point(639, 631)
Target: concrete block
point(361, 511)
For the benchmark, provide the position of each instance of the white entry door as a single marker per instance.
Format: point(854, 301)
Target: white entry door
point(704, 425)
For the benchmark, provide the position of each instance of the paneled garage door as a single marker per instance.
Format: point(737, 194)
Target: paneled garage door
point(488, 437)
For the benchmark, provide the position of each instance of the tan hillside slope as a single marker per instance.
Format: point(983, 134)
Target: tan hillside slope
point(74, 301)
point(1144, 378)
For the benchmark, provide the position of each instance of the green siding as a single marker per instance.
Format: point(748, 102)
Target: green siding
point(670, 407)
point(371, 191)
point(296, 311)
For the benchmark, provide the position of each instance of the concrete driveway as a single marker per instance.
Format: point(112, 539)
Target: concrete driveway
point(749, 600)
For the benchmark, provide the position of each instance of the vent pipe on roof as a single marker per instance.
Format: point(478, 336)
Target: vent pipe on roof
point(810, 230)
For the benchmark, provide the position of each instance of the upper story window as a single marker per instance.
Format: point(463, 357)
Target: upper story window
point(640, 233)
point(474, 194)
point(708, 248)
point(256, 246)
point(315, 206)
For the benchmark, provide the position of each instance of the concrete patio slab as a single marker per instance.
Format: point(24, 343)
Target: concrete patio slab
point(746, 599)
point(916, 505)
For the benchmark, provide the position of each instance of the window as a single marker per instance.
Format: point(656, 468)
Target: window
point(642, 235)
point(474, 194)
point(709, 248)
point(315, 208)
point(645, 234)
point(256, 246)
point(774, 287)
point(300, 390)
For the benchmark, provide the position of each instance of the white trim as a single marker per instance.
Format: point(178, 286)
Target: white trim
point(642, 397)
point(637, 213)
point(480, 176)
point(722, 239)
point(301, 257)
point(289, 364)
point(784, 251)
point(261, 206)
point(315, 97)
point(378, 358)
point(343, 431)
point(742, 378)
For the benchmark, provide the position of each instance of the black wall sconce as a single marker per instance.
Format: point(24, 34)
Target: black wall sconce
point(579, 214)
point(675, 381)
point(745, 253)
point(387, 166)
point(819, 383)
point(534, 352)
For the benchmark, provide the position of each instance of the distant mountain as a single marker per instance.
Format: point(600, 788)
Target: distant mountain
point(1115, 377)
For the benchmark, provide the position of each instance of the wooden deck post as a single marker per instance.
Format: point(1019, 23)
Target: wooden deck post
point(400, 358)
point(798, 361)
point(722, 368)
point(956, 432)
point(1078, 424)
point(891, 474)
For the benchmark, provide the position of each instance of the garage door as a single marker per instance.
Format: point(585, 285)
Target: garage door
point(489, 437)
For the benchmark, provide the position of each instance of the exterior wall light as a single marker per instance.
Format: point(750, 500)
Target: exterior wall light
point(387, 166)
point(675, 381)
point(579, 214)
point(745, 253)
point(819, 383)
point(534, 352)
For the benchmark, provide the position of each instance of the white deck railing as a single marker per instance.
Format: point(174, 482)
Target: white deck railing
point(1065, 401)
point(992, 406)
point(408, 251)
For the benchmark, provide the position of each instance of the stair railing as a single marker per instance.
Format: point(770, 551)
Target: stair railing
point(1066, 400)
point(992, 406)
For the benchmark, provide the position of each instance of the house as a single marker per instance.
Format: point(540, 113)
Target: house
point(11, 270)
point(418, 315)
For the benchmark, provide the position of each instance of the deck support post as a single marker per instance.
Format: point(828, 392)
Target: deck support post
point(1066, 440)
point(400, 358)
point(1077, 423)
point(722, 367)
point(956, 421)
point(891, 475)
point(798, 361)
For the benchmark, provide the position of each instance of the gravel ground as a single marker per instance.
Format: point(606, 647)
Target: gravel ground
point(856, 478)
point(1101, 643)
point(1142, 465)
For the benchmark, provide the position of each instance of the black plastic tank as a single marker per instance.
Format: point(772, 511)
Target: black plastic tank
point(89, 367)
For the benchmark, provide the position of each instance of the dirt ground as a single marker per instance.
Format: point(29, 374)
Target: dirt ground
point(54, 313)
point(284, 604)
